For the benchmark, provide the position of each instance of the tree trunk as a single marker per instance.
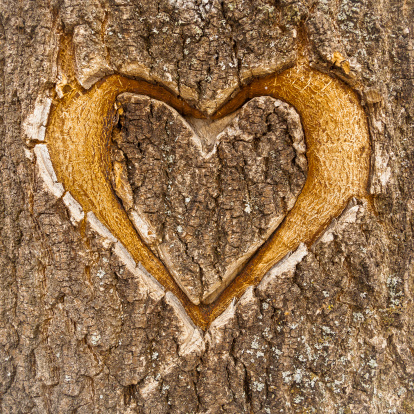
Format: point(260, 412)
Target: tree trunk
point(206, 207)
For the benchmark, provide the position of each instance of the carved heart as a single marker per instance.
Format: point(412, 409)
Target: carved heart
point(338, 151)
point(205, 203)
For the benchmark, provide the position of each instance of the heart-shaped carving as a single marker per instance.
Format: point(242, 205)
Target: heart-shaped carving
point(338, 150)
point(205, 203)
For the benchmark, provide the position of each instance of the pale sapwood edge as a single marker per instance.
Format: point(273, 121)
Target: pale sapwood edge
point(46, 170)
point(75, 209)
point(34, 126)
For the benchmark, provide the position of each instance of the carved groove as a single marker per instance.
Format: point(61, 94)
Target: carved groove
point(338, 151)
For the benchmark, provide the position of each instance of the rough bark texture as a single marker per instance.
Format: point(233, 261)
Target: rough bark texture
point(330, 330)
point(206, 203)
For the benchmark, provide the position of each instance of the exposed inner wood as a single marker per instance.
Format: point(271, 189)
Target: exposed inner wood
point(338, 149)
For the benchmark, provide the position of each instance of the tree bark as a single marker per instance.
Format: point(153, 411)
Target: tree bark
point(146, 312)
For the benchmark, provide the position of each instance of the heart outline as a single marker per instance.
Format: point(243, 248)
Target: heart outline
point(207, 152)
point(335, 129)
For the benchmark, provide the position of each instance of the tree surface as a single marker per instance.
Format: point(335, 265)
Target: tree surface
point(157, 159)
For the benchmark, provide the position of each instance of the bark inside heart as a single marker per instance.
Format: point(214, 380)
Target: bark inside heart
point(206, 195)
